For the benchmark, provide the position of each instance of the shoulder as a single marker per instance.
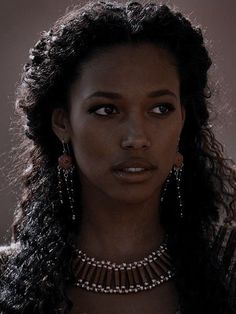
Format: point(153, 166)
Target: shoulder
point(223, 247)
point(6, 251)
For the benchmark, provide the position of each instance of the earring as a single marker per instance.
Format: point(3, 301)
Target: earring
point(65, 170)
point(177, 169)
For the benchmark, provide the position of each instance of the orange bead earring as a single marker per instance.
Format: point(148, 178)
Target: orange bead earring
point(65, 170)
point(178, 160)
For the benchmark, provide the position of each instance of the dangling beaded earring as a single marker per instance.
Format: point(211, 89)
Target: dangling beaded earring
point(65, 169)
point(177, 169)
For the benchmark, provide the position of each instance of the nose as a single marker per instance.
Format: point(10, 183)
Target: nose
point(135, 137)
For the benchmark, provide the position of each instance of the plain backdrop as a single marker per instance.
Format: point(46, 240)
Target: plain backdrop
point(20, 25)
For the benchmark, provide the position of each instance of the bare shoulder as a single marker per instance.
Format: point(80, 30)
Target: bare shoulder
point(6, 252)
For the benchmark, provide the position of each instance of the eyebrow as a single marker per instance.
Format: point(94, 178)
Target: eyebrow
point(113, 95)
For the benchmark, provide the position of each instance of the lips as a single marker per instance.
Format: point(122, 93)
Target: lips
point(125, 176)
point(134, 163)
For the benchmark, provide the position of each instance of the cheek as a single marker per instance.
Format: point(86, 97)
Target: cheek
point(166, 146)
point(170, 142)
point(91, 145)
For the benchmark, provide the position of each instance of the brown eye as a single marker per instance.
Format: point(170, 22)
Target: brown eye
point(164, 108)
point(107, 108)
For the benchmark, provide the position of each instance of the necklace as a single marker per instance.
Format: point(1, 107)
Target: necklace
point(108, 277)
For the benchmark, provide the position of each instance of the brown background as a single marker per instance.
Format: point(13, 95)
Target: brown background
point(20, 25)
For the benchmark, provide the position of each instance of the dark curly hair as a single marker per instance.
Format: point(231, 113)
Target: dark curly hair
point(35, 276)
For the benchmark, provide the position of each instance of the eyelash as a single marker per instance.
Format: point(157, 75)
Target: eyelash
point(92, 110)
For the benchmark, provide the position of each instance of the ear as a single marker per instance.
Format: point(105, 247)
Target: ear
point(61, 124)
point(183, 111)
point(183, 114)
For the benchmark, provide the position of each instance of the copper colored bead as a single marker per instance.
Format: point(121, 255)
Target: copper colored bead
point(178, 160)
point(117, 278)
point(130, 277)
point(65, 161)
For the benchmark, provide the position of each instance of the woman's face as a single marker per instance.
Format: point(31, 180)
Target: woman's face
point(140, 117)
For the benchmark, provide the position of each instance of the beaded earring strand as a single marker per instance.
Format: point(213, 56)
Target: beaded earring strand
point(65, 170)
point(177, 169)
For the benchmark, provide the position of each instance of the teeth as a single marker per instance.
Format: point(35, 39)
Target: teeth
point(133, 169)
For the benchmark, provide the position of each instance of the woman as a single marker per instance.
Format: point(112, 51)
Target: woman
point(128, 202)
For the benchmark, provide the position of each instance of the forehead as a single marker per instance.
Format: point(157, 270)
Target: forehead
point(128, 67)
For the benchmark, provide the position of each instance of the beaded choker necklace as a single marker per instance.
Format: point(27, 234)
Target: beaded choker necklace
point(107, 277)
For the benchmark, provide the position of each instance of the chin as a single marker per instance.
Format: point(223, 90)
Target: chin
point(133, 197)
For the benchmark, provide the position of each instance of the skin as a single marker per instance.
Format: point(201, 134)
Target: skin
point(120, 221)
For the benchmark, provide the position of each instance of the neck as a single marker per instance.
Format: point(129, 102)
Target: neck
point(118, 231)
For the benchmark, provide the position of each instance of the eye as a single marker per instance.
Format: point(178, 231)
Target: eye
point(108, 109)
point(164, 108)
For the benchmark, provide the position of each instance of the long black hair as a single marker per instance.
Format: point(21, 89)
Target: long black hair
point(35, 276)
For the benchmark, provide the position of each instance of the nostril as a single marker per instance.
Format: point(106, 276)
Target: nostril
point(136, 144)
